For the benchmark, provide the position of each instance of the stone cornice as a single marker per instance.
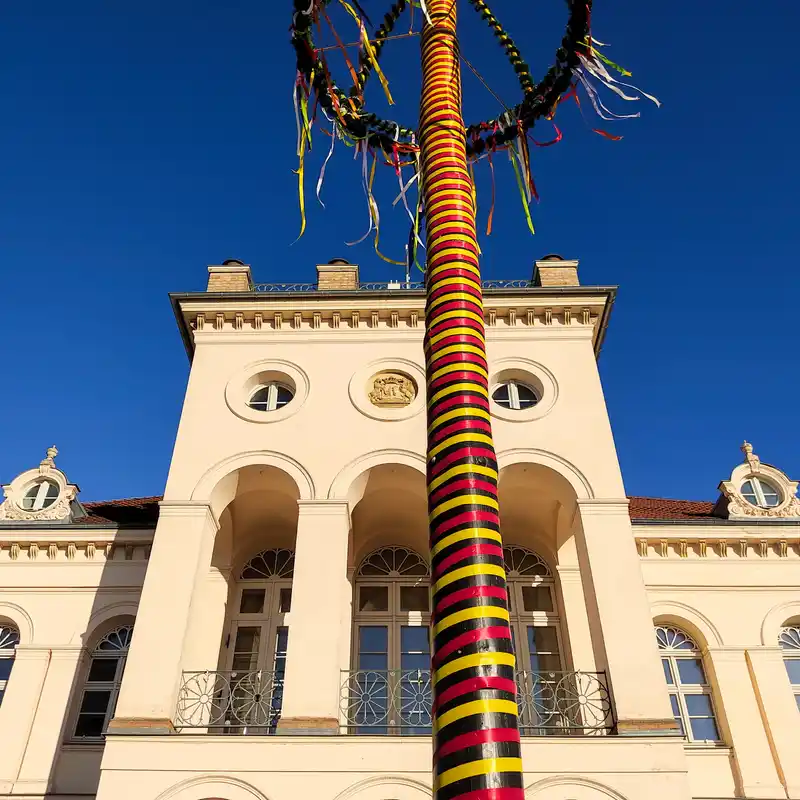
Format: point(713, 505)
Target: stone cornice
point(573, 312)
point(735, 546)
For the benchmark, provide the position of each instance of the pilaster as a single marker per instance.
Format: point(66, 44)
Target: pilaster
point(50, 672)
point(754, 763)
point(182, 548)
point(621, 618)
point(779, 714)
point(321, 619)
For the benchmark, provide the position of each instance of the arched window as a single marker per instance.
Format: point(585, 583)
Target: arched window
point(790, 643)
point(100, 692)
point(9, 639)
point(533, 611)
point(255, 657)
point(390, 689)
point(689, 689)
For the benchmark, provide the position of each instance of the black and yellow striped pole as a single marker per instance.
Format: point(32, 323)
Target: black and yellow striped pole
point(475, 727)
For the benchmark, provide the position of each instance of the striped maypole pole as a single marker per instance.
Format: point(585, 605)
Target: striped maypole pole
point(475, 727)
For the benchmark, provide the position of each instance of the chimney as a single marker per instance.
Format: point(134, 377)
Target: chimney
point(230, 276)
point(553, 270)
point(337, 275)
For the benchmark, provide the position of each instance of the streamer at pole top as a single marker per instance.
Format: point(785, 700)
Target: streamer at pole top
point(580, 69)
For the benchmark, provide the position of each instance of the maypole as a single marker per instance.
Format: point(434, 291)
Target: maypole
point(473, 711)
point(476, 751)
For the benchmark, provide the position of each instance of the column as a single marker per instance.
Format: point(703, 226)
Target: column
point(576, 620)
point(19, 709)
point(320, 619)
point(52, 709)
point(184, 540)
point(621, 618)
point(740, 716)
point(778, 709)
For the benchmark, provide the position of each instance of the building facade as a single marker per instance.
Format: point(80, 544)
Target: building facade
point(260, 632)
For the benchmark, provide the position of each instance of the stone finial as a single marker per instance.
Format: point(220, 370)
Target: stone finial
point(751, 458)
point(52, 452)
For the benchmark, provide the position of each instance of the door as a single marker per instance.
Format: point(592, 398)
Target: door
point(256, 657)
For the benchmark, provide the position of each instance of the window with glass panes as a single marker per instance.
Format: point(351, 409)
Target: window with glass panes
point(9, 639)
point(391, 642)
point(257, 640)
point(790, 644)
point(689, 689)
point(760, 493)
point(100, 692)
point(270, 397)
point(535, 632)
point(41, 495)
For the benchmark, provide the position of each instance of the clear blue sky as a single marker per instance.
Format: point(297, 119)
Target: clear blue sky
point(140, 142)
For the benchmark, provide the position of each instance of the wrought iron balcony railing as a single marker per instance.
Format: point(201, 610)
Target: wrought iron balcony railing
point(394, 702)
point(230, 702)
point(550, 703)
point(288, 288)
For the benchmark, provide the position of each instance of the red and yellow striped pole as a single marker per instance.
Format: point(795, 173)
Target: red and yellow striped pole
point(475, 726)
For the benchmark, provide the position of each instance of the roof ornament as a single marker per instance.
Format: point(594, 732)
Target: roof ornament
point(50, 461)
point(750, 457)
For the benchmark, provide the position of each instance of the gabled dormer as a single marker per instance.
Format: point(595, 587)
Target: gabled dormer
point(42, 494)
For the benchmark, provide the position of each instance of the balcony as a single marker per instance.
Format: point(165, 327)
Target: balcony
point(389, 703)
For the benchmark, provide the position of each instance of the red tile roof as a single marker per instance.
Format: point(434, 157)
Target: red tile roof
point(658, 508)
point(144, 510)
point(128, 511)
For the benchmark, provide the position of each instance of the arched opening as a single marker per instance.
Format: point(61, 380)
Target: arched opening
point(388, 689)
point(9, 639)
point(247, 596)
point(789, 640)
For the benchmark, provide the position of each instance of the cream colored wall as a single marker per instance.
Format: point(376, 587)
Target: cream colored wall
point(734, 605)
point(62, 593)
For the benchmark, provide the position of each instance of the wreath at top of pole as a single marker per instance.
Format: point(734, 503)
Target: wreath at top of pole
point(580, 63)
point(539, 98)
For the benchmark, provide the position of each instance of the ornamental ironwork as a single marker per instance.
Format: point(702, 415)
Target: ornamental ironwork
point(387, 286)
point(550, 703)
point(230, 702)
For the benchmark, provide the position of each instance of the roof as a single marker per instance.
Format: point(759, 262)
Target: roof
point(140, 511)
point(660, 508)
point(144, 510)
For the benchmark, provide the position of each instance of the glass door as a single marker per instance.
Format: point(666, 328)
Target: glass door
point(256, 658)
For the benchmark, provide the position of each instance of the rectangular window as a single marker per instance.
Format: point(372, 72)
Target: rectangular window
point(252, 601)
point(414, 598)
point(537, 598)
point(690, 671)
point(245, 649)
point(373, 598)
point(286, 600)
point(413, 705)
point(372, 684)
point(667, 671)
point(543, 648)
point(701, 717)
point(676, 712)
point(793, 670)
point(92, 714)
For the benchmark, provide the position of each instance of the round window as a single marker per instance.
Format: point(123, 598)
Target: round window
point(270, 397)
point(759, 493)
point(41, 495)
point(515, 395)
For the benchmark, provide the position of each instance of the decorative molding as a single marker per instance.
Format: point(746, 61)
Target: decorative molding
point(492, 317)
point(414, 319)
point(374, 319)
point(200, 322)
point(219, 322)
point(753, 468)
point(512, 317)
point(238, 321)
point(75, 552)
point(335, 320)
point(530, 317)
point(392, 390)
point(772, 548)
point(316, 320)
point(548, 316)
point(277, 321)
point(258, 321)
point(298, 320)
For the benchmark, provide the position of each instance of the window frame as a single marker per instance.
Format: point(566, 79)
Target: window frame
point(680, 690)
point(9, 641)
point(512, 384)
point(272, 387)
point(758, 485)
point(41, 497)
point(789, 641)
point(112, 686)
